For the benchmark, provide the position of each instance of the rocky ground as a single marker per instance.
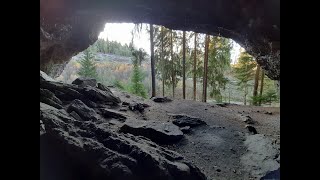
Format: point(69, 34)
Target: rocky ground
point(89, 131)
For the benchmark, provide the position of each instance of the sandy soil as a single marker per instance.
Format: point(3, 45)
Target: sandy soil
point(223, 149)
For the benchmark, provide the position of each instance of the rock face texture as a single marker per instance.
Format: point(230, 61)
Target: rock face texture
point(182, 120)
point(79, 142)
point(69, 27)
point(158, 132)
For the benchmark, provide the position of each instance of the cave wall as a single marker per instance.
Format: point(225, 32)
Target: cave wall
point(69, 27)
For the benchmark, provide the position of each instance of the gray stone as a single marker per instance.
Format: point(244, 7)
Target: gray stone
point(83, 110)
point(185, 129)
point(103, 88)
point(111, 155)
point(123, 109)
point(84, 81)
point(97, 95)
point(110, 113)
point(161, 132)
point(182, 120)
point(251, 129)
point(161, 99)
point(246, 118)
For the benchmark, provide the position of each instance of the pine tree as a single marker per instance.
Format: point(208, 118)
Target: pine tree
point(261, 86)
point(101, 46)
point(163, 60)
point(244, 72)
point(184, 65)
point(172, 63)
point(162, 55)
point(195, 68)
point(137, 86)
point(218, 62)
point(88, 68)
point(153, 72)
point(137, 77)
point(205, 69)
point(256, 84)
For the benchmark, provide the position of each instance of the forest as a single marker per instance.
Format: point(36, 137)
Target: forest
point(181, 64)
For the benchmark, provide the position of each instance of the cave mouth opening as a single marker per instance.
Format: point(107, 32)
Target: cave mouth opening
point(69, 28)
point(112, 57)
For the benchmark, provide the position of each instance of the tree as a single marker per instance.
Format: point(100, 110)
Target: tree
point(256, 84)
point(136, 82)
point(88, 68)
point(244, 72)
point(195, 68)
point(101, 46)
point(184, 64)
point(153, 73)
point(162, 58)
point(205, 69)
point(162, 54)
point(172, 63)
point(218, 62)
point(137, 77)
point(261, 86)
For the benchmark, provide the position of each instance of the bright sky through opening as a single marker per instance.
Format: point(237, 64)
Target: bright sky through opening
point(121, 32)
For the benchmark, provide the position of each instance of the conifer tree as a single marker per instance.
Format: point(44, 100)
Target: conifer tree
point(88, 68)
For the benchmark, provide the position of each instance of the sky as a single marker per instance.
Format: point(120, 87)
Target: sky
point(121, 32)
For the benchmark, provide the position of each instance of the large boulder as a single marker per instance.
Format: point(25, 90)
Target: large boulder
point(90, 150)
point(86, 113)
point(84, 81)
point(161, 132)
point(182, 120)
point(110, 113)
point(103, 88)
point(161, 99)
point(69, 92)
point(96, 94)
point(45, 77)
point(48, 97)
point(261, 152)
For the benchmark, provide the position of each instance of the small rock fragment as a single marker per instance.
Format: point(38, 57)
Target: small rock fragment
point(251, 129)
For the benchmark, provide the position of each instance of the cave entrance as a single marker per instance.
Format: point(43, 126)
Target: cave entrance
point(113, 59)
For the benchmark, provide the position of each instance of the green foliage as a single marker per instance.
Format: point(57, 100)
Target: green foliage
point(138, 56)
point(218, 62)
point(88, 68)
point(267, 97)
point(136, 87)
point(118, 84)
point(269, 92)
point(168, 69)
point(112, 47)
point(244, 72)
point(244, 69)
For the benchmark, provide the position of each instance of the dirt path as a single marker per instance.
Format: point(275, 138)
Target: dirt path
point(223, 149)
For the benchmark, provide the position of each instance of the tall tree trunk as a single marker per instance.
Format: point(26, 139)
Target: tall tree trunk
point(245, 94)
point(172, 64)
point(195, 68)
point(261, 86)
point(153, 72)
point(184, 65)
point(162, 59)
point(205, 69)
point(256, 84)
point(229, 94)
